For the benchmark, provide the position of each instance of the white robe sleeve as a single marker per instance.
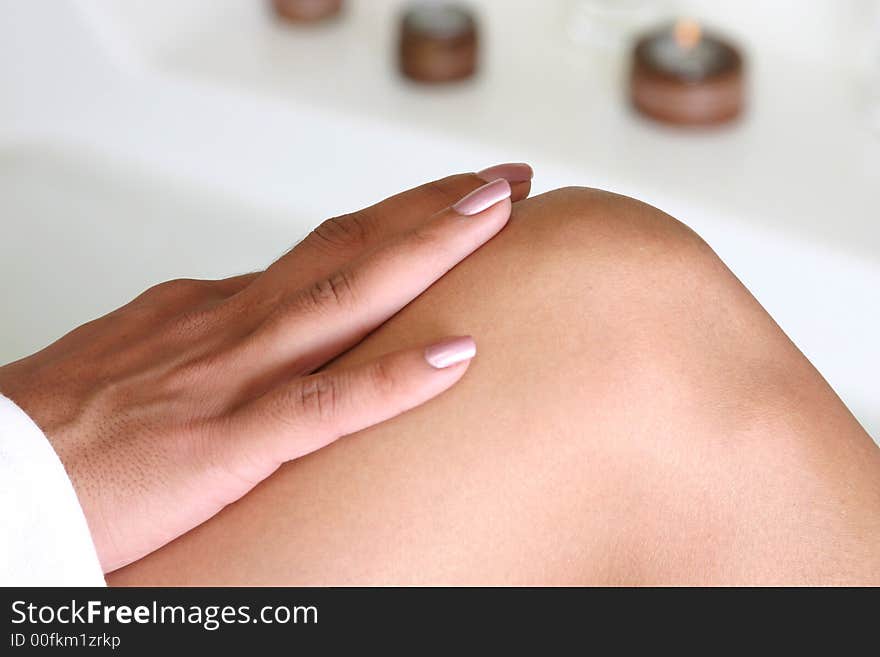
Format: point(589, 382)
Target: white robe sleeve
point(45, 539)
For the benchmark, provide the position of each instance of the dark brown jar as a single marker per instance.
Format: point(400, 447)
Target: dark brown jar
point(306, 11)
point(438, 42)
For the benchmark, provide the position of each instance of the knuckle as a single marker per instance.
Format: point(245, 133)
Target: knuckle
point(434, 241)
point(178, 287)
point(227, 287)
point(383, 378)
point(180, 290)
point(447, 190)
point(317, 397)
point(427, 236)
point(337, 290)
point(344, 232)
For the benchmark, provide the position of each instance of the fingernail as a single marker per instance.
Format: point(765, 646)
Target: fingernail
point(483, 198)
point(511, 172)
point(449, 352)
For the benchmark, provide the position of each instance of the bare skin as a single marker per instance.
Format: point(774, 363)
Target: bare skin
point(633, 416)
point(180, 402)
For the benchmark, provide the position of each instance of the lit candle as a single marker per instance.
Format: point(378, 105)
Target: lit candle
point(682, 75)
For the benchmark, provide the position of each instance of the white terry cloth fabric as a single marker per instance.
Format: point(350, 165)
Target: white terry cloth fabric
point(45, 539)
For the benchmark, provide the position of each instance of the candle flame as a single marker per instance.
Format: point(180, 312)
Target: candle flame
point(687, 33)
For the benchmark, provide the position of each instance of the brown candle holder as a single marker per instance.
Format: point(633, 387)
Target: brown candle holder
point(306, 11)
point(711, 99)
point(438, 43)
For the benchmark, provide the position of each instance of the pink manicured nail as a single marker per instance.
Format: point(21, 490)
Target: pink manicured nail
point(451, 351)
point(511, 172)
point(483, 198)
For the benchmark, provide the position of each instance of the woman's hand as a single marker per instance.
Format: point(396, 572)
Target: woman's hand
point(180, 402)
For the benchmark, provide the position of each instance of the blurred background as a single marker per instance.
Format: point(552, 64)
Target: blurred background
point(141, 141)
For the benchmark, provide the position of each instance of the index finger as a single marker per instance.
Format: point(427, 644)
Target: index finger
point(342, 239)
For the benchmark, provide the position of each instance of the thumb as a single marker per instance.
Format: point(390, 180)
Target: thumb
point(303, 415)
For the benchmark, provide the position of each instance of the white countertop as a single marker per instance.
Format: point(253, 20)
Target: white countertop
point(801, 160)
